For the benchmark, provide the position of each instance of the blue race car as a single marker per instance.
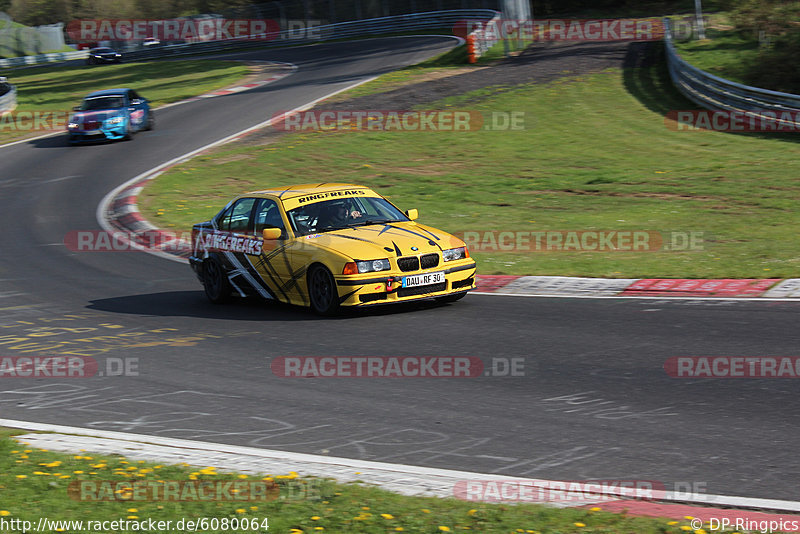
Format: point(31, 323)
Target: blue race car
point(110, 114)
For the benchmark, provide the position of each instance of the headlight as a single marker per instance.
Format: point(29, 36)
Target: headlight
point(372, 266)
point(72, 125)
point(455, 254)
point(115, 120)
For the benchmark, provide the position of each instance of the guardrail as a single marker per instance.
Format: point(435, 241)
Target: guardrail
point(341, 30)
point(715, 93)
point(43, 58)
point(8, 96)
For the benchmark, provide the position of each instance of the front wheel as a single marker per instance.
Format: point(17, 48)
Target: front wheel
point(322, 291)
point(215, 281)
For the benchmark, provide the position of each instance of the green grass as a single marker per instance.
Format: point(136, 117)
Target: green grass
point(725, 53)
point(595, 154)
point(35, 483)
point(161, 82)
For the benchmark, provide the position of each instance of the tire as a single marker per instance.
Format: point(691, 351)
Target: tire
point(322, 291)
point(215, 282)
point(128, 135)
point(451, 298)
point(151, 121)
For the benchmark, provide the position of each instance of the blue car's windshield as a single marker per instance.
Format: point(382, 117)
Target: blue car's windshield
point(343, 213)
point(103, 102)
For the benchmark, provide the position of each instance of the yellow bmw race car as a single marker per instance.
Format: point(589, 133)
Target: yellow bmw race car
point(326, 246)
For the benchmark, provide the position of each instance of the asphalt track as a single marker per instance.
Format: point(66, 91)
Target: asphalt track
point(594, 401)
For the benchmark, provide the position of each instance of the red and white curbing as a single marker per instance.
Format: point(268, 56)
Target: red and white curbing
point(635, 287)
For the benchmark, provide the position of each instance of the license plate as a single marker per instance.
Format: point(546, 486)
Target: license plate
point(423, 279)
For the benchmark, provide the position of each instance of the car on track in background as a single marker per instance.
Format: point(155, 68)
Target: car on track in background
point(110, 114)
point(327, 246)
point(103, 55)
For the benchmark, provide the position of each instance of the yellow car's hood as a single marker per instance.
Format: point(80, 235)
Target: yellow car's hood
point(384, 240)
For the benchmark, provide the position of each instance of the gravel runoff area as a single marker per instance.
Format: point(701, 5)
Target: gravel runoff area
point(539, 63)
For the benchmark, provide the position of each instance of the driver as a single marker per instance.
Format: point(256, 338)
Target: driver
point(340, 213)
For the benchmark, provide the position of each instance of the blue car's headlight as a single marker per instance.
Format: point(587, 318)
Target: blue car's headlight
point(455, 254)
point(115, 120)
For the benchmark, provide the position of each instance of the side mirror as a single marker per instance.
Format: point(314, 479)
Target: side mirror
point(412, 214)
point(76, 108)
point(270, 235)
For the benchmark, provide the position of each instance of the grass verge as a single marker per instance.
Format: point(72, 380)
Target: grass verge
point(595, 153)
point(36, 484)
point(161, 82)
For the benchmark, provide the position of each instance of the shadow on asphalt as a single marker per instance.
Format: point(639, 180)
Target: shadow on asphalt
point(195, 304)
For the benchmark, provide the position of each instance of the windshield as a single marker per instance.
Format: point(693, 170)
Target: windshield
point(343, 213)
point(102, 51)
point(103, 102)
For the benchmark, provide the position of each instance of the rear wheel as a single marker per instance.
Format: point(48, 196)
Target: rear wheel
point(151, 121)
point(215, 281)
point(322, 291)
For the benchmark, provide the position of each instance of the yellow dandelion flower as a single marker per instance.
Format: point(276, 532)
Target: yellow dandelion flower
point(579, 524)
point(472, 512)
point(387, 516)
point(315, 518)
point(22, 476)
point(4, 513)
point(242, 477)
point(241, 511)
point(444, 528)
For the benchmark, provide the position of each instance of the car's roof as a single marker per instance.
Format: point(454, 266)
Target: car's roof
point(108, 92)
point(308, 189)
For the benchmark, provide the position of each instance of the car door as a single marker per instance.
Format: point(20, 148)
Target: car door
point(273, 262)
point(233, 244)
point(137, 110)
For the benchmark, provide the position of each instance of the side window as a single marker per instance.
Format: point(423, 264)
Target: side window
point(237, 217)
point(268, 215)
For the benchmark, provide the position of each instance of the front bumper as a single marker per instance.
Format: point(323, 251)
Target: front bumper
point(113, 133)
point(370, 289)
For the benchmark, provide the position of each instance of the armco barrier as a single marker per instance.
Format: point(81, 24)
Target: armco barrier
point(715, 93)
point(340, 30)
point(8, 96)
point(43, 58)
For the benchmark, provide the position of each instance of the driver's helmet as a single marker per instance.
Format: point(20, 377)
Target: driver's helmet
point(336, 213)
